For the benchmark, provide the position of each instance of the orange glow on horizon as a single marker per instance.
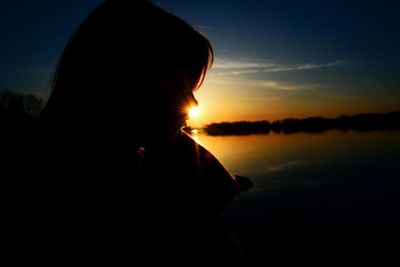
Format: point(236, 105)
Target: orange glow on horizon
point(233, 98)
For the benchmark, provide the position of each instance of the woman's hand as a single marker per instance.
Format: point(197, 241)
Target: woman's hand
point(243, 183)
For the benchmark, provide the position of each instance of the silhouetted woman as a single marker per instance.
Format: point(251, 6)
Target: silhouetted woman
point(124, 179)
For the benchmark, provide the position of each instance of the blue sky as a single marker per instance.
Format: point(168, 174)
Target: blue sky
point(273, 58)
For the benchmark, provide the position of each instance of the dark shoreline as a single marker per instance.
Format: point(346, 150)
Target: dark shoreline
point(362, 123)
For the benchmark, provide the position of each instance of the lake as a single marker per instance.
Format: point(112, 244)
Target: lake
point(329, 191)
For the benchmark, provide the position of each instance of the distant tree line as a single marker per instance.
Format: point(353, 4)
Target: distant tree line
point(16, 107)
point(361, 122)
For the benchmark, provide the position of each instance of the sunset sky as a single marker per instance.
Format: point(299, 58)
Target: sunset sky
point(273, 59)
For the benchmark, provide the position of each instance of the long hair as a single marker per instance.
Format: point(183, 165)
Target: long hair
point(123, 62)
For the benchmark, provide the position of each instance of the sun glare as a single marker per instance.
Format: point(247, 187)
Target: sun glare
point(194, 112)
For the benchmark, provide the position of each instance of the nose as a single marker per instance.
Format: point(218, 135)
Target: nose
point(193, 101)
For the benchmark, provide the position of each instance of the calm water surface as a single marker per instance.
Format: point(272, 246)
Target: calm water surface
point(326, 190)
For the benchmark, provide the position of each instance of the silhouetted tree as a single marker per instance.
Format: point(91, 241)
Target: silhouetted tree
point(361, 122)
point(17, 107)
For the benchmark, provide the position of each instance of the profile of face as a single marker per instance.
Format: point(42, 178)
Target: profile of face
point(169, 108)
point(131, 66)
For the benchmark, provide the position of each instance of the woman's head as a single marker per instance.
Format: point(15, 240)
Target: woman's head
point(130, 64)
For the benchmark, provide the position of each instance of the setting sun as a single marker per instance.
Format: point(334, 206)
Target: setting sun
point(194, 112)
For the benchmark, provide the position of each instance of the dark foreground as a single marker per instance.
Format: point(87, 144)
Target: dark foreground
point(308, 221)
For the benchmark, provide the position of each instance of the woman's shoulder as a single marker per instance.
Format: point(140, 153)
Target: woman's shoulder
point(212, 177)
point(185, 143)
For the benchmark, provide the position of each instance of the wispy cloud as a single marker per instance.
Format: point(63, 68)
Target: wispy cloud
point(203, 28)
point(265, 84)
point(234, 65)
point(271, 85)
point(308, 66)
point(246, 67)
